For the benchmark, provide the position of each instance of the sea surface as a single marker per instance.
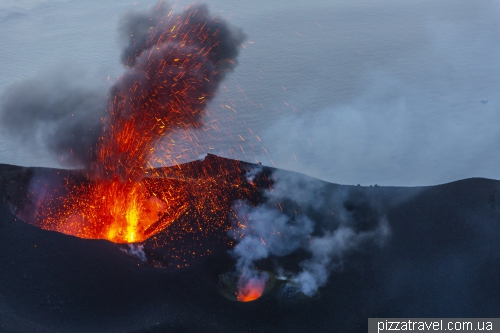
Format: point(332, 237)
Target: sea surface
point(384, 92)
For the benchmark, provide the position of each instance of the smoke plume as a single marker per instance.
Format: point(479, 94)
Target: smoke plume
point(327, 253)
point(55, 109)
point(260, 233)
point(284, 225)
point(174, 63)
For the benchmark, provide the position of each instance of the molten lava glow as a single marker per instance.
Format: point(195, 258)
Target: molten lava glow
point(174, 69)
point(130, 209)
point(122, 212)
point(133, 211)
point(251, 290)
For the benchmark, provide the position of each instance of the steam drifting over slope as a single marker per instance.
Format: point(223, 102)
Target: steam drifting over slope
point(284, 224)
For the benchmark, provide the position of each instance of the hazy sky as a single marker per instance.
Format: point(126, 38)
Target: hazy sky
point(385, 92)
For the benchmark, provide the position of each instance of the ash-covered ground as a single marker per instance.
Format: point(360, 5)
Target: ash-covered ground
point(438, 256)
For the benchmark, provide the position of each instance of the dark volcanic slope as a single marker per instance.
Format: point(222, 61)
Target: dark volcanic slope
point(442, 259)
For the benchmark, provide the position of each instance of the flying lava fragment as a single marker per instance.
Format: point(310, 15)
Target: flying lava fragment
point(175, 63)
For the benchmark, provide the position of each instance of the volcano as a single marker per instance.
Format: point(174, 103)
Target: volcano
point(441, 258)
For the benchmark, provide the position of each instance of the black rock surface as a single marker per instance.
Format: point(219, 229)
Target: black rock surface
point(442, 259)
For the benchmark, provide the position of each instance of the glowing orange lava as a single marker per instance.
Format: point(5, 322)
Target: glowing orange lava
point(174, 69)
point(122, 212)
point(251, 290)
point(124, 209)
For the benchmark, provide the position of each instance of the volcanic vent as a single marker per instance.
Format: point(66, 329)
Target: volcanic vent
point(261, 218)
point(175, 63)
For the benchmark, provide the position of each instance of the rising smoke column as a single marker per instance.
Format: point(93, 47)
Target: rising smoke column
point(281, 226)
point(261, 232)
point(56, 111)
point(175, 63)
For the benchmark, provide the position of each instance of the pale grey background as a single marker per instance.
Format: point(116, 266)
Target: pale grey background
point(385, 92)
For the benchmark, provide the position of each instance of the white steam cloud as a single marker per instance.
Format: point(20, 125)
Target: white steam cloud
point(271, 230)
point(328, 250)
point(262, 232)
point(135, 250)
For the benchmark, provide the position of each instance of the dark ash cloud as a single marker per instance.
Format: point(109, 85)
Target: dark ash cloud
point(56, 112)
point(191, 51)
